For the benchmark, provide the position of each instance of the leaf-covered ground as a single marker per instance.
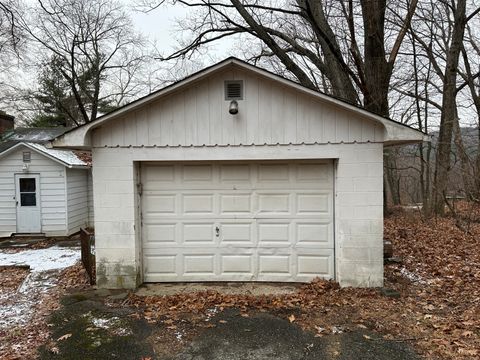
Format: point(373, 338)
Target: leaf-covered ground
point(438, 311)
point(22, 340)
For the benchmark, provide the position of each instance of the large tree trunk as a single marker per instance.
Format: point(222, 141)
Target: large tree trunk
point(442, 163)
point(377, 69)
point(467, 175)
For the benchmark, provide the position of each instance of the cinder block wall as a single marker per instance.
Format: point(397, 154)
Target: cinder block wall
point(116, 251)
point(358, 205)
point(359, 216)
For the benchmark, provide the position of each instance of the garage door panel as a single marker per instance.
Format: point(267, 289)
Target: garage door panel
point(235, 233)
point(198, 232)
point(313, 173)
point(268, 173)
point(314, 204)
point(194, 264)
point(273, 233)
point(273, 203)
point(160, 204)
point(237, 264)
point(235, 173)
point(274, 221)
point(314, 234)
point(274, 265)
point(159, 234)
point(154, 176)
point(197, 173)
point(235, 204)
point(197, 204)
point(160, 264)
point(314, 265)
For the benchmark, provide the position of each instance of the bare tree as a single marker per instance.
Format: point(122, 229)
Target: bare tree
point(316, 41)
point(95, 48)
point(10, 36)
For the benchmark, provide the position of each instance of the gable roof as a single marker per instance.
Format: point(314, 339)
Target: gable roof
point(37, 135)
point(68, 158)
point(396, 133)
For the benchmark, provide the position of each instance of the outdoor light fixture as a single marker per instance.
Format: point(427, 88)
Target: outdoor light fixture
point(25, 167)
point(233, 108)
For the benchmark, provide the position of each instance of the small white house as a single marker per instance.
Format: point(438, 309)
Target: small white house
point(42, 190)
point(237, 174)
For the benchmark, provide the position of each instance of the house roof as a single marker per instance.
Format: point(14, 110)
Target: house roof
point(34, 135)
point(68, 158)
point(396, 132)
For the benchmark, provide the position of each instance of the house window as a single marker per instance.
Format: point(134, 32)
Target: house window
point(234, 90)
point(28, 194)
point(27, 156)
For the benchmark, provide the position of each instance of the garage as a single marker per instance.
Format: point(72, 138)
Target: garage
point(237, 174)
point(224, 221)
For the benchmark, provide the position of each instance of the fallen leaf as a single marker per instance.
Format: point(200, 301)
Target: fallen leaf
point(291, 318)
point(64, 337)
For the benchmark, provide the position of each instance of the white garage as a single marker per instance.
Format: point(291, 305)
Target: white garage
point(259, 221)
point(237, 174)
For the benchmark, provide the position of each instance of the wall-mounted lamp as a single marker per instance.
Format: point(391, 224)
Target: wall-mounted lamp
point(233, 108)
point(25, 167)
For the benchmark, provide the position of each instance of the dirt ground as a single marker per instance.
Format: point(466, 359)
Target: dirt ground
point(432, 310)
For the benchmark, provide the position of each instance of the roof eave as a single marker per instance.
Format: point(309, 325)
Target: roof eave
point(395, 132)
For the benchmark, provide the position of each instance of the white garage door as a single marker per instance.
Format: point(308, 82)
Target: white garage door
point(237, 222)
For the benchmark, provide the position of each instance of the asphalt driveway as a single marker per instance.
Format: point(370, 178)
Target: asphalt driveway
point(84, 328)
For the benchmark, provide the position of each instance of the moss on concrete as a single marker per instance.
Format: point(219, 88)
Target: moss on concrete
point(97, 332)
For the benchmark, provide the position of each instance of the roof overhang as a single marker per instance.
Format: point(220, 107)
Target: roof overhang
point(44, 153)
point(395, 133)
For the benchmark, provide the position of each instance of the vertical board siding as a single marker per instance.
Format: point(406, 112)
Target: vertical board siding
point(90, 198)
point(270, 113)
point(52, 192)
point(77, 199)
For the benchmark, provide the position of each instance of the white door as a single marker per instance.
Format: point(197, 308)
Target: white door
point(27, 196)
point(267, 221)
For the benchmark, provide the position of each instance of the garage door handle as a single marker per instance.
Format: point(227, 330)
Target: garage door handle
point(217, 232)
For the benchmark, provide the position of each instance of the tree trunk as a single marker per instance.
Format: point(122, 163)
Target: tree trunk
point(377, 69)
point(442, 161)
point(391, 176)
point(467, 176)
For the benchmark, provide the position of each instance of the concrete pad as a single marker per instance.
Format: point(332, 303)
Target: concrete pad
point(230, 288)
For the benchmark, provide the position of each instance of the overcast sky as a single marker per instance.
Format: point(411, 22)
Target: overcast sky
point(161, 26)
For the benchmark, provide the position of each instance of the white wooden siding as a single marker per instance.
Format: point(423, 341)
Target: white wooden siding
point(270, 113)
point(52, 192)
point(77, 199)
point(90, 198)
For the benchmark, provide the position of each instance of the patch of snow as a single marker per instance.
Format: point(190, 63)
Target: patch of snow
point(412, 276)
point(337, 330)
point(67, 156)
point(17, 307)
point(39, 282)
point(112, 324)
point(179, 335)
point(105, 323)
point(211, 313)
point(53, 258)
point(122, 332)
